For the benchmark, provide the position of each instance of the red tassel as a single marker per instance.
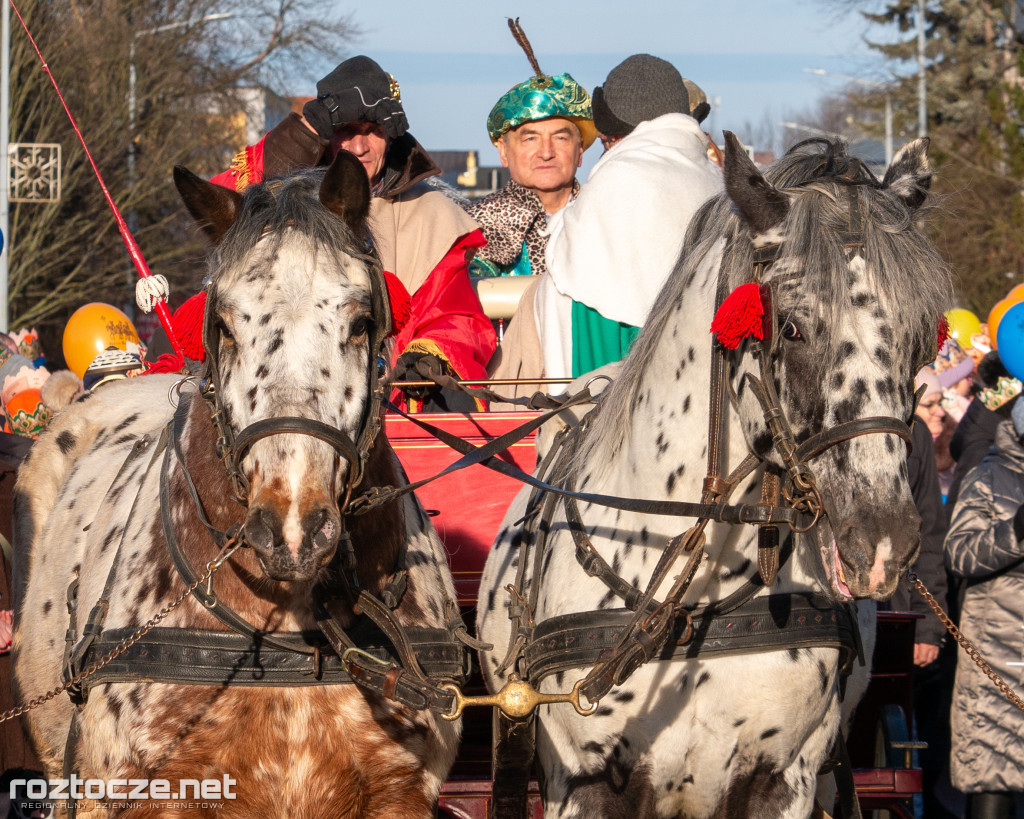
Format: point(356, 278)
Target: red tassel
point(740, 316)
point(187, 322)
point(167, 363)
point(943, 331)
point(401, 302)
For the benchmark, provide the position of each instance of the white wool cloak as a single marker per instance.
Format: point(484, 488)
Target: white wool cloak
point(613, 247)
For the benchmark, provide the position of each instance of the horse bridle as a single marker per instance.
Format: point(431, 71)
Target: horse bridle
point(232, 447)
point(796, 457)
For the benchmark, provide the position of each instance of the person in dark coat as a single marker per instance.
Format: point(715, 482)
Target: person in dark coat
point(929, 566)
point(14, 749)
point(932, 672)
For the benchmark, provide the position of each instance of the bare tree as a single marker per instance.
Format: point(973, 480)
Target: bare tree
point(190, 59)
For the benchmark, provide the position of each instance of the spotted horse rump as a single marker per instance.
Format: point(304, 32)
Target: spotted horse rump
point(816, 393)
point(293, 329)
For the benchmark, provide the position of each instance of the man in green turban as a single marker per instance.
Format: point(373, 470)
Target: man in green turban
point(541, 128)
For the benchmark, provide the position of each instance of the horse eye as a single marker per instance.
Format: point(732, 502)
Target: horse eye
point(360, 327)
point(224, 331)
point(790, 332)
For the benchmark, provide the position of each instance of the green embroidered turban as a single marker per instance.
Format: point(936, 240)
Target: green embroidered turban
point(542, 98)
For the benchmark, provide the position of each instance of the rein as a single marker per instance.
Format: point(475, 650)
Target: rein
point(652, 622)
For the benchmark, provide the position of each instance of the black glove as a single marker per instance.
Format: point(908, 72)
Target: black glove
point(290, 145)
point(357, 90)
point(417, 367)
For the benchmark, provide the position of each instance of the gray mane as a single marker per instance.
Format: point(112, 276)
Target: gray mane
point(292, 202)
point(903, 265)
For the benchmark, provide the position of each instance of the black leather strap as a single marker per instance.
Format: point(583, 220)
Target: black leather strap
point(337, 438)
point(765, 623)
point(194, 657)
point(512, 752)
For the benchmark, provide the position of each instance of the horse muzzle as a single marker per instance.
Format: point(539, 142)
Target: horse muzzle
point(866, 558)
point(291, 545)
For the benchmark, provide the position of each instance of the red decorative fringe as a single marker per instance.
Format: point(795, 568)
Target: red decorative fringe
point(943, 331)
point(401, 302)
point(188, 326)
point(740, 316)
point(167, 363)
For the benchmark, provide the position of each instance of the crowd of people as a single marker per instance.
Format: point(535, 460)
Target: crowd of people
point(966, 472)
point(581, 242)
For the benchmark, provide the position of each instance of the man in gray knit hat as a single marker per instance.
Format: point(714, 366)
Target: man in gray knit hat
point(611, 249)
point(642, 88)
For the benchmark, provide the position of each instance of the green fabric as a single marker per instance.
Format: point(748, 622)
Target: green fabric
point(485, 267)
point(596, 340)
point(542, 98)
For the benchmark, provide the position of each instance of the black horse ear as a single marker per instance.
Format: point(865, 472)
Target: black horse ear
point(909, 176)
point(346, 191)
point(213, 206)
point(761, 206)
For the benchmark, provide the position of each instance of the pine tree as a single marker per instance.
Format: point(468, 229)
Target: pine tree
point(975, 105)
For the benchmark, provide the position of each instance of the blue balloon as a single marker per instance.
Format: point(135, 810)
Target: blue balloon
point(1010, 340)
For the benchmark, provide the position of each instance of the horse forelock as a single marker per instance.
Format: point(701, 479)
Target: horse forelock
point(292, 203)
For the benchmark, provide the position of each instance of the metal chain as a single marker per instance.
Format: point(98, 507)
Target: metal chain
point(965, 644)
point(229, 548)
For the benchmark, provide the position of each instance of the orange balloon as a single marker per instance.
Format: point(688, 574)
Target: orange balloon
point(996, 315)
point(1016, 294)
point(91, 329)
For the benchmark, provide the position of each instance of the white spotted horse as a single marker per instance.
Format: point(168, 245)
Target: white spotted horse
point(709, 651)
point(251, 470)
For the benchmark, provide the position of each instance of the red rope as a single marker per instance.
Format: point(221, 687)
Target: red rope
point(133, 247)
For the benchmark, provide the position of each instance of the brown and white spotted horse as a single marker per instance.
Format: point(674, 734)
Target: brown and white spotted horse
point(857, 293)
point(290, 326)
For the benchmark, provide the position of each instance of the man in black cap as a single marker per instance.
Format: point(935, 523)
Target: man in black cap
point(420, 234)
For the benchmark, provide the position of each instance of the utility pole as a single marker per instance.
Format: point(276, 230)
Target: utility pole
point(922, 105)
point(5, 159)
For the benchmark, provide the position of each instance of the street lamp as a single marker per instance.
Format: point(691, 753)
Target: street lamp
point(133, 217)
point(821, 72)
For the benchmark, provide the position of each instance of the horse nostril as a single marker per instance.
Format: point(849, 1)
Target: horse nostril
point(325, 530)
point(259, 530)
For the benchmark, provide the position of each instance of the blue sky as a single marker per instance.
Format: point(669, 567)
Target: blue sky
point(453, 59)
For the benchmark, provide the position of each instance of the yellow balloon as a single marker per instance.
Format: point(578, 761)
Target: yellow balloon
point(93, 328)
point(995, 316)
point(962, 325)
